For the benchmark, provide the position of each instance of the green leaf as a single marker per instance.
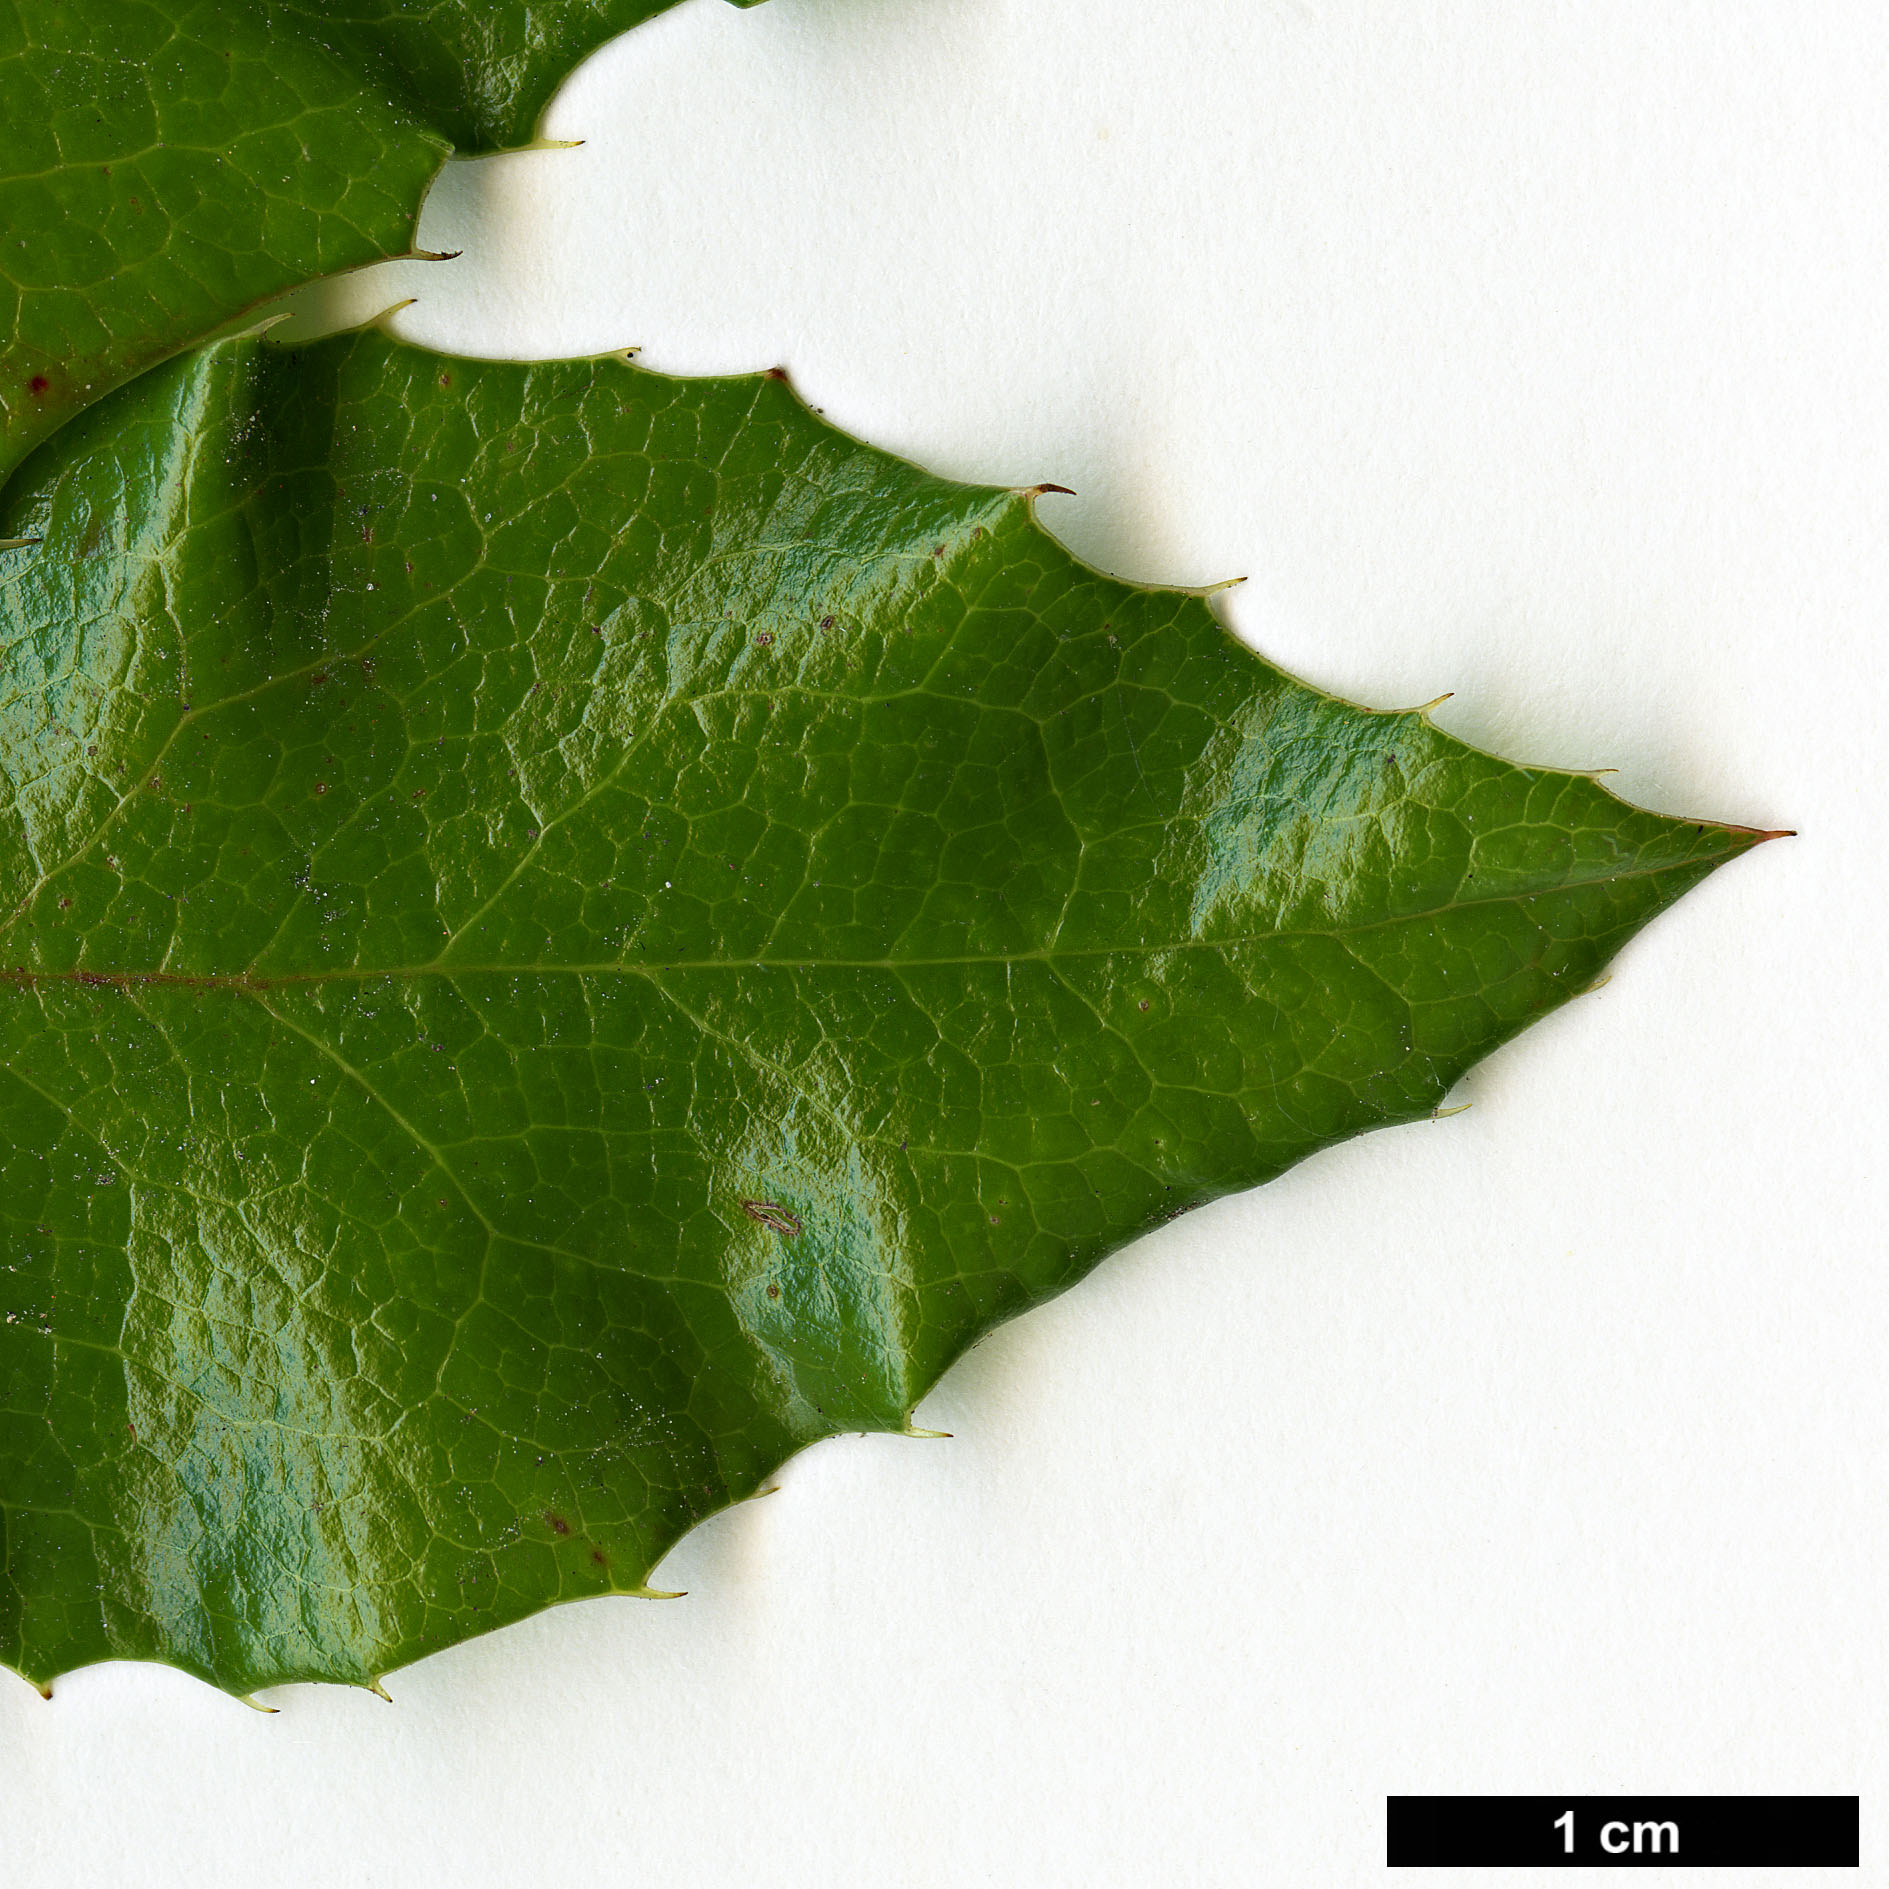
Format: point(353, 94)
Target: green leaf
point(166, 165)
point(572, 932)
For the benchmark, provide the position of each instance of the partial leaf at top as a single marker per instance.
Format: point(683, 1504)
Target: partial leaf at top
point(166, 165)
point(568, 933)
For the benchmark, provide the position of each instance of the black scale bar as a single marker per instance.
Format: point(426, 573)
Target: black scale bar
point(1623, 1832)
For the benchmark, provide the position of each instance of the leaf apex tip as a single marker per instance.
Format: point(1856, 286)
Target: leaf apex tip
point(1745, 839)
point(1034, 492)
point(379, 1691)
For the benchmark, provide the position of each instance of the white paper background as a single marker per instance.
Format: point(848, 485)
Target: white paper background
point(1530, 350)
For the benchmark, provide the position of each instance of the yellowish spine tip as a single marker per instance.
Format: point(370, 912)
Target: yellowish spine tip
point(379, 1691)
point(394, 308)
point(256, 1705)
point(912, 1429)
point(657, 1593)
point(1037, 491)
point(1443, 1114)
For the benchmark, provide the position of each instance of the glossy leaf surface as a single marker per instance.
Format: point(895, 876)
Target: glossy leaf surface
point(570, 933)
point(165, 165)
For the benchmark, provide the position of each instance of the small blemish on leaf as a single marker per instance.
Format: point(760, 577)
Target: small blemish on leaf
point(769, 1214)
point(556, 1523)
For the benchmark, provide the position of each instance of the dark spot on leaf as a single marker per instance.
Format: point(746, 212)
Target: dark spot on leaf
point(598, 1556)
point(1144, 1003)
point(40, 385)
point(782, 1219)
point(773, 1292)
point(556, 1523)
point(765, 637)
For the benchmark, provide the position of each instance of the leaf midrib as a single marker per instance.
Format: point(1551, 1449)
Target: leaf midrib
point(256, 982)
